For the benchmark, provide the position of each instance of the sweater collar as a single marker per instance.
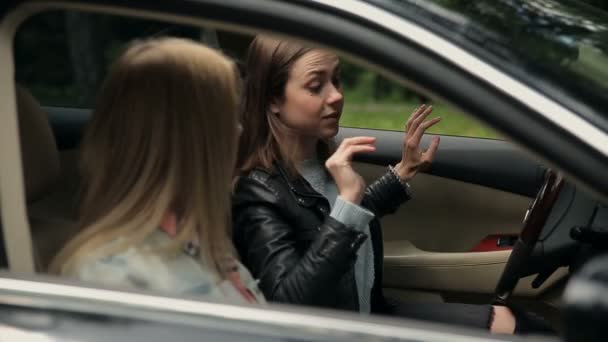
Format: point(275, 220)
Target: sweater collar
point(297, 184)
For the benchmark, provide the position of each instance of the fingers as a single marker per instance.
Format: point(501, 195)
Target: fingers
point(429, 155)
point(350, 146)
point(345, 155)
point(420, 118)
point(356, 141)
point(417, 135)
point(414, 115)
point(351, 150)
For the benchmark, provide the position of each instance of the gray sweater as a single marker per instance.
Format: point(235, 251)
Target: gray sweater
point(351, 215)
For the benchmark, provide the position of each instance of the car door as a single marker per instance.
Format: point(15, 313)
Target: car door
point(452, 239)
point(68, 123)
point(476, 186)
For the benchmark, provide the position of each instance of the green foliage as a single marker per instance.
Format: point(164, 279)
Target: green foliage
point(565, 42)
point(364, 86)
point(83, 45)
point(393, 117)
point(373, 101)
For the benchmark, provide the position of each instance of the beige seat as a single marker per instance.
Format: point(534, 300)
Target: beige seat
point(51, 186)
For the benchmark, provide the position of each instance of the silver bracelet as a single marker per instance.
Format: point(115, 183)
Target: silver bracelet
point(404, 184)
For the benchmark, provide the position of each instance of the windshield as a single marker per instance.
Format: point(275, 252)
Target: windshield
point(560, 48)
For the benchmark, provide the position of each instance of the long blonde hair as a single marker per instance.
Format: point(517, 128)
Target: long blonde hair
point(163, 138)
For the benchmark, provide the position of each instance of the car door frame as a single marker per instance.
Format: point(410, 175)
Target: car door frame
point(50, 301)
point(351, 32)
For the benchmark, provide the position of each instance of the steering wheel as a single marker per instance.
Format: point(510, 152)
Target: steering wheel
point(534, 221)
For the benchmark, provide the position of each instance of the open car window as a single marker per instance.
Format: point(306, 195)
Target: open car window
point(557, 46)
point(375, 102)
point(83, 46)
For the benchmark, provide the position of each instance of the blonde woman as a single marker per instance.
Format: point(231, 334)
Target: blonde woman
point(158, 158)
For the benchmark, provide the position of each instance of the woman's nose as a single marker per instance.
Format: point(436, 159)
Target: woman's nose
point(335, 96)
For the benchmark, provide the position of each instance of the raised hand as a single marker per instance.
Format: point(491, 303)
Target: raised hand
point(351, 185)
point(413, 158)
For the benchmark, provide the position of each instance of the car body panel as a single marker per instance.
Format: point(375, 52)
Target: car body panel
point(61, 310)
point(538, 123)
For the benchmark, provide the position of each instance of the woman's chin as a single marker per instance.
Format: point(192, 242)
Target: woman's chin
point(329, 132)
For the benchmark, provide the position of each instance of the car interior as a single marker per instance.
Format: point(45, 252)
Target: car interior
point(450, 243)
point(51, 180)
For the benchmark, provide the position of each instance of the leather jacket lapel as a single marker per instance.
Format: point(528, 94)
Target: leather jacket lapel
point(298, 185)
point(302, 191)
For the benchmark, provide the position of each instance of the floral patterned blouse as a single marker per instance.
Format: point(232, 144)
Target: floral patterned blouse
point(143, 266)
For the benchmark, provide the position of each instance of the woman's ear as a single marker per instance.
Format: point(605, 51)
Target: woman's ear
point(274, 107)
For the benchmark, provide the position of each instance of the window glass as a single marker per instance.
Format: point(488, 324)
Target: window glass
point(62, 57)
point(372, 101)
point(557, 46)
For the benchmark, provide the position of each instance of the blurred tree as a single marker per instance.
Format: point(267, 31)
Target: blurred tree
point(86, 54)
point(603, 4)
point(63, 56)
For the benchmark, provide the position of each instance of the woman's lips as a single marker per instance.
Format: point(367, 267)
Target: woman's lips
point(334, 116)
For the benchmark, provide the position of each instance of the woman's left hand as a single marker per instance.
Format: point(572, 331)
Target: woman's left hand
point(413, 159)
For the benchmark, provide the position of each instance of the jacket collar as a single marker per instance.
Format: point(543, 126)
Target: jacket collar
point(298, 185)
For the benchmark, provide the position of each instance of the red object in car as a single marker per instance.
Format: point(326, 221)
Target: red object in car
point(495, 242)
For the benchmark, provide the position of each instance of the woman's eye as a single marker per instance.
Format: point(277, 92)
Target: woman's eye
point(315, 87)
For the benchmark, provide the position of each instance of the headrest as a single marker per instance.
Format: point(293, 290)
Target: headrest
point(41, 165)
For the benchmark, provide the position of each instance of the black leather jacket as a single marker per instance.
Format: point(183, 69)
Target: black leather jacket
point(285, 236)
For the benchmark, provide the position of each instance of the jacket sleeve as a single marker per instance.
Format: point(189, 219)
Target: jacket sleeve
point(268, 247)
point(384, 196)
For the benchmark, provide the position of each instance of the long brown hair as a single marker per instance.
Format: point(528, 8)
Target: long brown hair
point(162, 139)
point(268, 65)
